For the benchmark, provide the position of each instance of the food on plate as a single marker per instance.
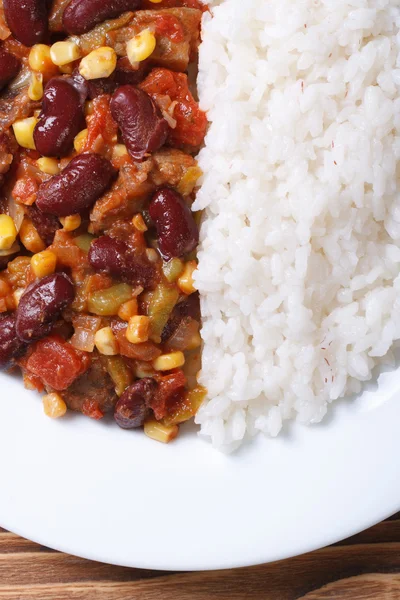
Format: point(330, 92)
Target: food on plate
point(98, 132)
point(300, 247)
point(100, 207)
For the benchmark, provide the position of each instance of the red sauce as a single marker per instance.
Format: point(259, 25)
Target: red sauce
point(170, 26)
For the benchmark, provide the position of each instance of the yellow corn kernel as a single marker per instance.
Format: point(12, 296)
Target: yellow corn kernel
point(141, 46)
point(29, 237)
point(54, 406)
point(44, 263)
point(128, 309)
point(48, 165)
point(138, 223)
point(119, 151)
point(189, 180)
point(167, 362)
point(35, 90)
point(80, 140)
point(40, 59)
point(63, 53)
point(138, 329)
point(155, 1)
point(71, 222)
point(185, 281)
point(159, 432)
point(105, 342)
point(8, 232)
point(23, 131)
point(99, 63)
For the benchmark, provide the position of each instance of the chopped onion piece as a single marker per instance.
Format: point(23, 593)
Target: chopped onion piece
point(85, 327)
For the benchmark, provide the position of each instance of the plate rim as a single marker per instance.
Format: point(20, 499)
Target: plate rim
point(242, 565)
point(378, 406)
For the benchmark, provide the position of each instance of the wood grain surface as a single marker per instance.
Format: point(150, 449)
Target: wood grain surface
point(364, 567)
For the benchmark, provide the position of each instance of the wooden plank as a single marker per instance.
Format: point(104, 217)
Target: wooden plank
point(387, 531)
point(89, 591)
point(286, 580)
point(11, 543)
point(364, 567)
point(364, 587)
point(289, 580)
point(29, 568)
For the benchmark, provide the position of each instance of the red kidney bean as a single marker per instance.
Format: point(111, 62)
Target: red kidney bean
point(176, 228)
point(10, 345)
point(77, 187)
point(131, 409)
point(27, 20)
point(82, 15)
point(108, 255)
point(142, 125)
point(9, 67)
point(61, 118)
point(116, 258)
point(46, 224)
point(41, 305)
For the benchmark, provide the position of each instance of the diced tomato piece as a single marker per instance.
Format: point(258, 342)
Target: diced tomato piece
point(170, 391)
point(56, 362)
point(92, 409)
point(102, 129)
point(171, 27)
point(25, 190)
point(191, 122)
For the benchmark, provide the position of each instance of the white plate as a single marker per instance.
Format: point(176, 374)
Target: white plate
point(93, 490)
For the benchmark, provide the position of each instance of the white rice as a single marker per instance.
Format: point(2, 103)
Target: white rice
point(300, 247)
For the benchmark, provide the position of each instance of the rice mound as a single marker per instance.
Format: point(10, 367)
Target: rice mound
point(300, 244)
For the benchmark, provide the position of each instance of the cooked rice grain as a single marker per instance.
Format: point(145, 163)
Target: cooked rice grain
point(300, 250)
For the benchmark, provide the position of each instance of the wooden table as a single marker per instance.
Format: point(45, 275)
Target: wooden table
point(365, 567)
